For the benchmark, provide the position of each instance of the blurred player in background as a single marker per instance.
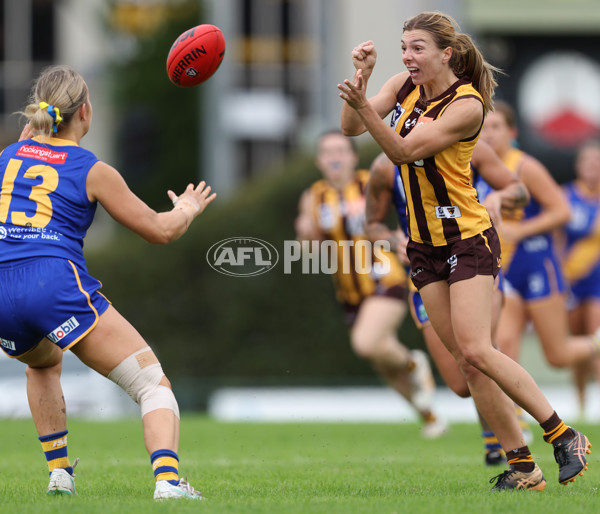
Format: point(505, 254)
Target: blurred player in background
point(49, 303)
point(385, 190)
point(534, 286)
point(438, 105)
point(579, 249)
point(333, 209)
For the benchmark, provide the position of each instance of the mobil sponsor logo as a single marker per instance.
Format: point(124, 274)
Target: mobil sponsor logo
point(42, 153)
point(63, 329)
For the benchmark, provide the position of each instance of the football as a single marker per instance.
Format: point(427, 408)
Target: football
point(195, 55)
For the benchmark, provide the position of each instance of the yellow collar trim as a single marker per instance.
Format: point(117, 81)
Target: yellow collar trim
point(54, 141)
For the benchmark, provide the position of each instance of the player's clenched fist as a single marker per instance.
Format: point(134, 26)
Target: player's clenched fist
point(364, 57)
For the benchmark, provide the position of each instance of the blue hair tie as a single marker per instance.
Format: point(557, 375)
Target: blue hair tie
point(54, 112)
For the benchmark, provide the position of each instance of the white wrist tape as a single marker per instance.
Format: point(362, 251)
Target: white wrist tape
point(192, 203)
point(139, 375)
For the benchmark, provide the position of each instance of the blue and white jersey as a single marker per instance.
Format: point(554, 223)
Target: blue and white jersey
point(44, 208)
point(481, 186)
point(581, 260)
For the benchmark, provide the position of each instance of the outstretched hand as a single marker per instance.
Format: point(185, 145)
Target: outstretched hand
point(194, 199)
point(354, 93)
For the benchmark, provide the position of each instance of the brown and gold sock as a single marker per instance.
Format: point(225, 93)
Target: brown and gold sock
point(521, 459)
point(555, 429)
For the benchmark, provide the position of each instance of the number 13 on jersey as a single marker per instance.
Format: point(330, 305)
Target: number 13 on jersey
point(39, 194)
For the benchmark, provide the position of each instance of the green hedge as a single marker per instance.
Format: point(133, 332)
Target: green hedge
point(210, 329)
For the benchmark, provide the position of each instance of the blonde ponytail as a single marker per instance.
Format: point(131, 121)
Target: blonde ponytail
point(56, 96)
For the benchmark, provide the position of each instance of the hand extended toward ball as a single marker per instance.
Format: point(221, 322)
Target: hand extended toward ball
point(194, 199)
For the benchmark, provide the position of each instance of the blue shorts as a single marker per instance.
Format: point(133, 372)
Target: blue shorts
point(46, 297)
point(534, 278)
point(587, 288)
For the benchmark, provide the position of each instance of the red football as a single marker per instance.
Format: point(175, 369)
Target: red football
point(195, 55)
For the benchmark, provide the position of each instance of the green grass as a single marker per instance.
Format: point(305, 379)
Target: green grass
point(285, 468)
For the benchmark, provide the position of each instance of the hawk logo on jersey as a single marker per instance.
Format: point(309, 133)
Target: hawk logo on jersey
point(409, 124)
point(396, 115)
point(447, 211)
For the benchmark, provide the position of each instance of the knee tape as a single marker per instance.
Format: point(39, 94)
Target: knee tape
point(139, 376)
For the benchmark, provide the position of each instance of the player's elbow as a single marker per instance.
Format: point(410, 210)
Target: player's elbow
point(351, 127)
point(401, 154)
point(161, 235)
point(158, 239)
point(349, 131)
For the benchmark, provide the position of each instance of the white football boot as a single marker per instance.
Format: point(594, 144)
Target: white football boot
point(61, 482)
point(166, 491)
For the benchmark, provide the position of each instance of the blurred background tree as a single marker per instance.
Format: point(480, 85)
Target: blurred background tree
point(157, 130)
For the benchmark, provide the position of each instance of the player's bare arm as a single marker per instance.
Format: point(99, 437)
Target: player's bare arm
point(462, 119)
point(106, 185)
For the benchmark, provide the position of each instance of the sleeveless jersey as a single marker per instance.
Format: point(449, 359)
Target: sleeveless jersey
point(340, 216)
point(582, 234)
point(442, 205)
point(44, 209)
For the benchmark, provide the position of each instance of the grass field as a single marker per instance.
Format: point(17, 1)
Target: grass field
point(286, 468)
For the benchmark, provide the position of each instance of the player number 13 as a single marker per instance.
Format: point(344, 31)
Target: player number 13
point(39, 194)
